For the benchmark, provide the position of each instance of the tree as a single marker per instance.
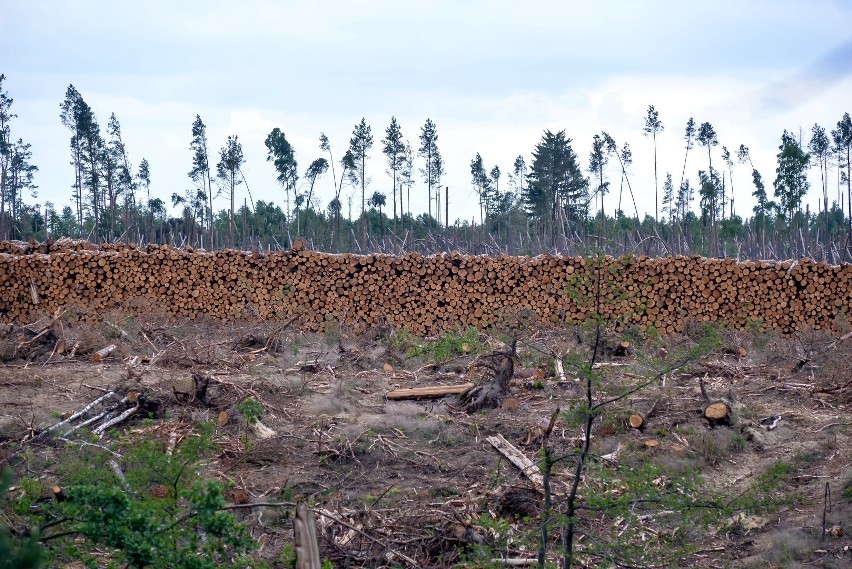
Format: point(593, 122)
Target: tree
point(348, 173)
point(481, 184)
point(193, 209)
point(820, 148)
point(144, 177)
point(597, 161)
point(406, 174)
point(317, 168)
point(653, 125)
point(556, 187)
point(668, 197)
point(625, 159)
point(519, 172)
point(683, 202)
point(496, 198)
point(325, 146)
point(763, 207)
point(116, 170)
point(19, 178)
point(791, 181)
point(707, 138)
point(726, 156)
point(230, 160)
point(378, 200)
point(842, 137)
point(200, 172)
point(283, 157)
point(689, 137)
point(393, 148)
point(359, 147)
point(6, 117)
point(710, 191)
point(86, 143)
point(434, 165)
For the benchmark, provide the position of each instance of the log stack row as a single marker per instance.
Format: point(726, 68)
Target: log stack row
point(425, 294)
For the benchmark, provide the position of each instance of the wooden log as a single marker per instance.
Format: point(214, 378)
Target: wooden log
point(305, 533)
point(516, 457)
point(103, 353)
point(428, 392)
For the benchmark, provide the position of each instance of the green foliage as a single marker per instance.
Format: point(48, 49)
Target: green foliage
point(451, 344)
point(17, 552)
point(251, 409)
point(161, 513)
point(847, 489)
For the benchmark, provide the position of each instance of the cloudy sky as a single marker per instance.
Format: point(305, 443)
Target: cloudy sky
point(492, 75)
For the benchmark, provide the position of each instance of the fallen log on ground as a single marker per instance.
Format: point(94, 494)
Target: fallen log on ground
point(428, 392)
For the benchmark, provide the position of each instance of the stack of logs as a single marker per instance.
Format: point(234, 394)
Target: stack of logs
point(425, 294)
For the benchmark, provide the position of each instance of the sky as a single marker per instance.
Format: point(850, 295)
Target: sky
point(492, 76)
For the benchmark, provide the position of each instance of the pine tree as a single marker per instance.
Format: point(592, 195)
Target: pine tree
point(556, 186)
point(481, 184)
point(820, 148)
point(393, 148)
point(317, 168)
point(519, 172)
point(227, 171)
point(791, 181)
point(842, 137)
point(359, 147)
point(597, 160)
point(653, 126)
point(116, 170)
point(19, 178)
point(6, 117)
point(283, 158)
point(433, 168)
point(200, 172)
point(496, 198)
point(689, 137)
point(726, 156)
point(668, 197)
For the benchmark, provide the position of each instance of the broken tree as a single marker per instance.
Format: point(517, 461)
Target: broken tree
point(491, 394)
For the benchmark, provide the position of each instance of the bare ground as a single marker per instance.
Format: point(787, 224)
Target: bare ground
point(416, 482)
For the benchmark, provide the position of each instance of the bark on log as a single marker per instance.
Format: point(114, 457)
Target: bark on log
point(103, 353)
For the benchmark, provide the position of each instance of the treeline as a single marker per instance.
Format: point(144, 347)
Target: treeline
point(551, 202)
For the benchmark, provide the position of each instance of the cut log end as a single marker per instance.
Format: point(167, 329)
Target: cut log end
point(621, 348)
point(636, 422)
point(718, 413)
point(101, 354)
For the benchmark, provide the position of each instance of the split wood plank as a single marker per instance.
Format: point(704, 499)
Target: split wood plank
point(428, 392)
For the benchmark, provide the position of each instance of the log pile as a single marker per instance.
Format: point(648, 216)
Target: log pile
point(424, 294)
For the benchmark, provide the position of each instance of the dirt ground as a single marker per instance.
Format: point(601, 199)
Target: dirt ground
point(418, 482)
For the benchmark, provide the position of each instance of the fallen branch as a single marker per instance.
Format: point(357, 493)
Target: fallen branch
point(81, 412)
point(516, 457)
point(104, 426)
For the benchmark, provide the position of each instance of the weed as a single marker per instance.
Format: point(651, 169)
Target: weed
point(847, 489)
point(737, 443)
point(451, 344)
